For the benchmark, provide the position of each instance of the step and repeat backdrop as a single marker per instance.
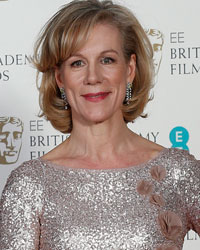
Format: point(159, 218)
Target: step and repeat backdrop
point(173, 115)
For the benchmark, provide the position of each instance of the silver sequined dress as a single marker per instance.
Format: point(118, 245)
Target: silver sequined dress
point(147, 207)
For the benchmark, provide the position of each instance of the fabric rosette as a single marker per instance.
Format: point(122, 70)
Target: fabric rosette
point(144, 187)
point(158, 173)
point(157, 200)
point(170, 224)
point(164, 247)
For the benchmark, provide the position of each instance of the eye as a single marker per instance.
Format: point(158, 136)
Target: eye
point(157, 47)
point(17, 135)
point(77, 64)
point(107, 60)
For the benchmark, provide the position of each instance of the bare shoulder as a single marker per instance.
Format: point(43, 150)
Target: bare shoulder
point(147, 145)
point(53, 154)
point(58, 155)
point(144, 150)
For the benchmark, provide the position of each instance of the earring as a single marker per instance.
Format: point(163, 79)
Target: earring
point(128, 92)
point(63, 96)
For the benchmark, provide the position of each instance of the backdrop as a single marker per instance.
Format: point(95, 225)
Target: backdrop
point(174, 118)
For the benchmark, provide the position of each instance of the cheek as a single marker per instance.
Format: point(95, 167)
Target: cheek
point(120, 81)
point(116, 76)
point(72, 80)
point(72, 88)
point(122, 92)
point(18, 143)
point(2, 147)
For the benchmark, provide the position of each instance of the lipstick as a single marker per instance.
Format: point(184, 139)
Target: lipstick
point(96, 97)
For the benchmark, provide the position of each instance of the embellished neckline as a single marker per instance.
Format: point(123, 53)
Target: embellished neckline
point(135, 167)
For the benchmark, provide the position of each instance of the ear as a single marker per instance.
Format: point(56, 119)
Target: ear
point(131, 68)
point(58, 77)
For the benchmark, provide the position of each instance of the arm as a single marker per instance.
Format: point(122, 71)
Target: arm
point(189, 186)
point(193, 197)
point(20, 209)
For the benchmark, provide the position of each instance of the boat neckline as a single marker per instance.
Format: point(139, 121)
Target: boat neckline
point(132, 167)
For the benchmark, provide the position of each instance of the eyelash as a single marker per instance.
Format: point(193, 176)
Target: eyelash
point(80, 63)
point(74, 64)
point(111, 60)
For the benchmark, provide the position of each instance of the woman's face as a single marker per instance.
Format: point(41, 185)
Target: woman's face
point(95, 77)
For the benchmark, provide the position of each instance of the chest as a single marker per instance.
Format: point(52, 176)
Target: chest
point(102, 213)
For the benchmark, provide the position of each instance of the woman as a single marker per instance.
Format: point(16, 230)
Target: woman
point(105, 187)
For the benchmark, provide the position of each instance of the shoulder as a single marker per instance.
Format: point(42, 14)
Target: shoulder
point(28, 176)
point(178, 158)
point(22, 197)
point(31, 168)
point(182, 167)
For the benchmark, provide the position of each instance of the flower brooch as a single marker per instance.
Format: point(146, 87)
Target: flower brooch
point(169, 222)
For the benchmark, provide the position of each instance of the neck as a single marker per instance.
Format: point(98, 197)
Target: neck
point(99, 141)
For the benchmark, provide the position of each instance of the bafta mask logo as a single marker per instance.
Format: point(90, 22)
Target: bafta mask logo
point(11, 129)
point(157, 41)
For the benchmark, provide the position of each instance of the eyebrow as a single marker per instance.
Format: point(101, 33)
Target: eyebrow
point(110, 50)
point(103, 52)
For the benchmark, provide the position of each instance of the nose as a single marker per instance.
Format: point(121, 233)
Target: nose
point(93, 74)
point(10, 142)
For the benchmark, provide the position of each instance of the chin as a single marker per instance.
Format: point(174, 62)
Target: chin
point(94, 116)
point(99, 121)
point(98, 118)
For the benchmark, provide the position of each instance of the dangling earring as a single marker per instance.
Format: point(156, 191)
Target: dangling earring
point(63, 96)
point(128, 92)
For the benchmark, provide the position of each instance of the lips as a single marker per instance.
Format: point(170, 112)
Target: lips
point(96, 97)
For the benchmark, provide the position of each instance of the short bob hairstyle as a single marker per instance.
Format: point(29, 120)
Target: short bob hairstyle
point(66, 32)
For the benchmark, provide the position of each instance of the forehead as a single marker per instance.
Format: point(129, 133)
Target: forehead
point(9, 127)
point(103, 37)
point(155, 39)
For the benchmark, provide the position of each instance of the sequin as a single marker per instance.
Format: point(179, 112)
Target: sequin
point(50, 207)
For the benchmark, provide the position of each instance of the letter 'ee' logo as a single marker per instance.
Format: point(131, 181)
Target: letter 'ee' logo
point(11, 129)
point(179, 137)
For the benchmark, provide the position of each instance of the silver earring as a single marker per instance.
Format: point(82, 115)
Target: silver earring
point(128, 92)
point(63, 96)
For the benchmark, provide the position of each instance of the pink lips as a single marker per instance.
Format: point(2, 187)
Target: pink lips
point(96, 97)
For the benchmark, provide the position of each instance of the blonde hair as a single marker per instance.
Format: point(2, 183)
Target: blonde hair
point(66, 32)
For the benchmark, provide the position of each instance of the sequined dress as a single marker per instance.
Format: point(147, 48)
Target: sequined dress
point(146, 207)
